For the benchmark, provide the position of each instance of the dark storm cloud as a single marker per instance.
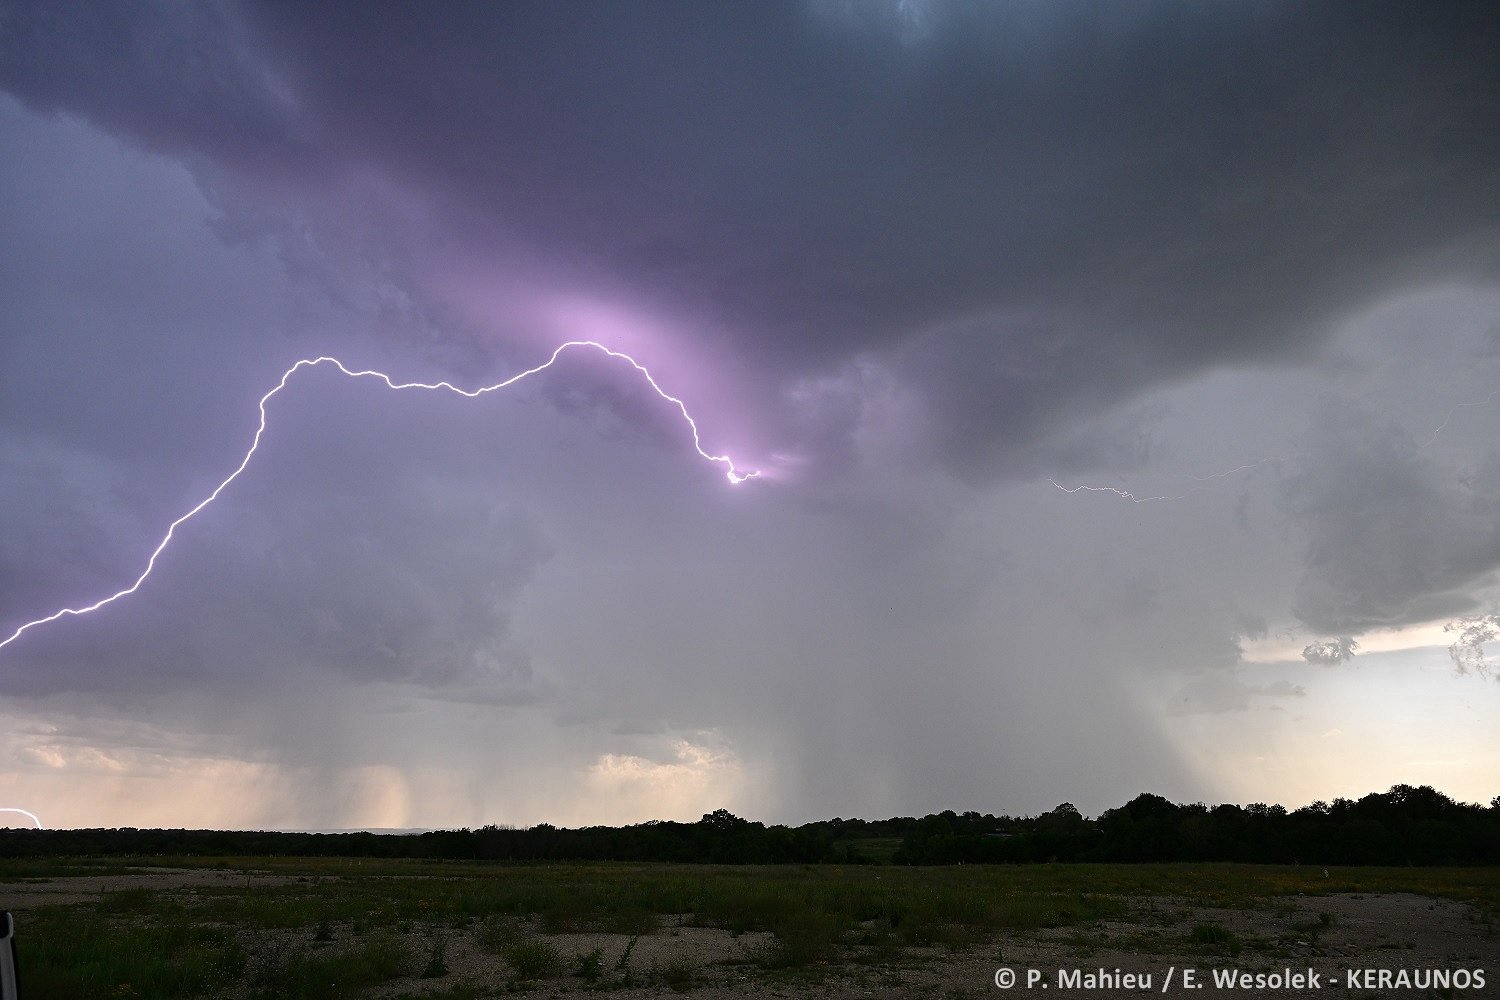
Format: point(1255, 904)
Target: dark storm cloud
point(1032, 213)
point(1393, 537)
point(915, 257)
point(175, 77)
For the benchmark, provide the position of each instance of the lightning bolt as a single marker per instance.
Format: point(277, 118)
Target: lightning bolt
point(1133, 498)
point(1127, 495)
point(1454, 409)
point(1122, 494)
point(730, 470)
point(23, 812)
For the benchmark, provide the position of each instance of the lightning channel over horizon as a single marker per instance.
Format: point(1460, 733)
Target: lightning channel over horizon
point(29, 815)
point(731, 471)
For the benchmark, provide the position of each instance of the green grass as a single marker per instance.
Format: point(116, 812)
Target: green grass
point(300, 974)
point(869, 850)
point(19, 869)
point(72, 952)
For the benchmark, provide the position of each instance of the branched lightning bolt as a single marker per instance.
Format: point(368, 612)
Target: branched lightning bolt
point(29, 815)
point(1122, 494)
point(734, 474)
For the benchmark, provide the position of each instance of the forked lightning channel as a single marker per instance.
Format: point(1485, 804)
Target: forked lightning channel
point(730, 470)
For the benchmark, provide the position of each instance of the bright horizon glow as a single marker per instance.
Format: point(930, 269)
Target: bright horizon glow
point(732, 472)
point(1284, 648)
point(1339, 738)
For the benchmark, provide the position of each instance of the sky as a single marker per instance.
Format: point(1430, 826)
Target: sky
point(1123, 380)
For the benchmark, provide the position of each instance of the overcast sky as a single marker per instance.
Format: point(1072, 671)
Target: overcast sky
point(1124, 379)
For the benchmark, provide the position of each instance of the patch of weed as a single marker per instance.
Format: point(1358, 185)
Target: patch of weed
point(297, 974)
point(677, 974)
point(1217, 938)
point(589, 966)
point(437, 959)
point(622, 964)
point(534, 959)
point(802, 938)
point(499, 933)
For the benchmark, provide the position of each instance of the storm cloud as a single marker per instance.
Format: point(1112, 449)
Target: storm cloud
point(925, 265)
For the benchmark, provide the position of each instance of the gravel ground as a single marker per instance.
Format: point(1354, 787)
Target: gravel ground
point(1289, 940)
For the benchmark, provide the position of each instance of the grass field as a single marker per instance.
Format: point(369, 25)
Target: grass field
point(252, 928)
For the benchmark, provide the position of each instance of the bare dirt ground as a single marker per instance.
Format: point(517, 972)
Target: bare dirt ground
point(1294, 938)
point(1363, 932)
point(1324, 936)
point(23, 895)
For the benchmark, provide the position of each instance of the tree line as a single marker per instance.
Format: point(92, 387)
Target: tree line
point(1404, 826)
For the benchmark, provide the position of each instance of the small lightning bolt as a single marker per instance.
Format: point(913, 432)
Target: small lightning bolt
point(1133, 498)
point(731, 471)
point(29, 815)
point(1454, 409)
point(1122, 494)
